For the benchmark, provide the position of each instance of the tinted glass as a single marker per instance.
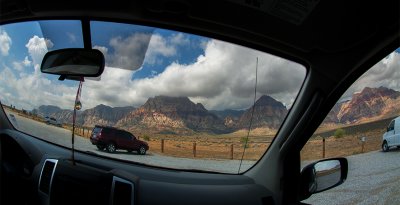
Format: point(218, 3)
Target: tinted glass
point(391, 126)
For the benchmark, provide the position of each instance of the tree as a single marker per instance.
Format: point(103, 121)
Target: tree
point(339, 133)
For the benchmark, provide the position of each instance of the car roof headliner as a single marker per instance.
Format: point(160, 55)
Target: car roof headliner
point(334, 38)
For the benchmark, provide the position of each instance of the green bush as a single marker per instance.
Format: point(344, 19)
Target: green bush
point(339, 133)
point(146, 138)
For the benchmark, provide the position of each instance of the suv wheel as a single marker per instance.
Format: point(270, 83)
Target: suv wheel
point(111, 148)
point(142, 150)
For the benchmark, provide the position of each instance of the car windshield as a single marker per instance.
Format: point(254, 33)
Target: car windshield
point(192, 102)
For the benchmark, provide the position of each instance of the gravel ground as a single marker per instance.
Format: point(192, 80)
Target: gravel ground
point(62, 136)
point(373, 178)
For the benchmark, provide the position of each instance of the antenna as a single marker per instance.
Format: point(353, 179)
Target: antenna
point(77, 106)
point(251, 118)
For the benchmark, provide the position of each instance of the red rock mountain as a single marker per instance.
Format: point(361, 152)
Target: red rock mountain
point(103, 115)
point(267, 113)
point(369, 103)
point(164, 113)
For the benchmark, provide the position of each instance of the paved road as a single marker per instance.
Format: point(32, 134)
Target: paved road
point(373, 178)
point(62, 136)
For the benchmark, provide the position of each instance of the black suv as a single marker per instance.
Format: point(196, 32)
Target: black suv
point(111, 139)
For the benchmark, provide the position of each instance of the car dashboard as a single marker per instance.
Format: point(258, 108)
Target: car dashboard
point(89, 179)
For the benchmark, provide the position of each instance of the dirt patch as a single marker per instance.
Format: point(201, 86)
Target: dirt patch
point(344, 146)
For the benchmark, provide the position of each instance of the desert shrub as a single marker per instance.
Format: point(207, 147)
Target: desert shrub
point(146, 138)
point(339, 133)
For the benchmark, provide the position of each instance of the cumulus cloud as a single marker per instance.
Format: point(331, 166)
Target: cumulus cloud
point(37, 48)
point(19, 66)
point(179, 39)
point(160, 47)
point(223, 77)
point(26, 62)
point(5, 43)
point(385, 73)
point(28, 91)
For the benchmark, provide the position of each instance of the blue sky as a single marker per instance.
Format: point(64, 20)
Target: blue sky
point(69, 34)
point(141, 62)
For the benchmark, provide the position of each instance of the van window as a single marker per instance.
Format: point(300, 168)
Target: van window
point(391, 126)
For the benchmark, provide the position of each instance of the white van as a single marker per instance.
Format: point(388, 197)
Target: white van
point(392, 135)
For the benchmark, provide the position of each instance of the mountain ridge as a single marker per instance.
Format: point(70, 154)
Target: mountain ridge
point(378, 102)
point(164, 114)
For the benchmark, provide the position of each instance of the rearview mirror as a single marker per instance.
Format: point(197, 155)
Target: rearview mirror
point(74, 62)
point(322, 175)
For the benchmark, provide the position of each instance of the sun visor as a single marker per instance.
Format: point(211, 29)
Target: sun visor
point(124, 45)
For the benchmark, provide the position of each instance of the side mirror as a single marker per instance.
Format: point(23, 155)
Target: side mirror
point(73, 62)
point(322, 175)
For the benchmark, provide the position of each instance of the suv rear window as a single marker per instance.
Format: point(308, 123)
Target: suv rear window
point(97, 130)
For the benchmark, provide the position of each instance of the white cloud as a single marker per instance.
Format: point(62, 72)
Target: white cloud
point(19, 66)
point(28, 91)
point(5, 43)
point(37, 48)
point(159, 47)
point(26, 62)
point(385, 73)
point(179, 39)
point(222, 78)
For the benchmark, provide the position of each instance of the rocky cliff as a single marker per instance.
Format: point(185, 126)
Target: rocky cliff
point(268, 112)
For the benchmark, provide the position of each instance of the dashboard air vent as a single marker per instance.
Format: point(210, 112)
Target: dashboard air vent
point(46, 176)
point(122, 192)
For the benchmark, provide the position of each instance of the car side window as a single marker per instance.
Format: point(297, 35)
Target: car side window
point(106, 131)
point(391, 126)
point(125, 135)
point(357, 128)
